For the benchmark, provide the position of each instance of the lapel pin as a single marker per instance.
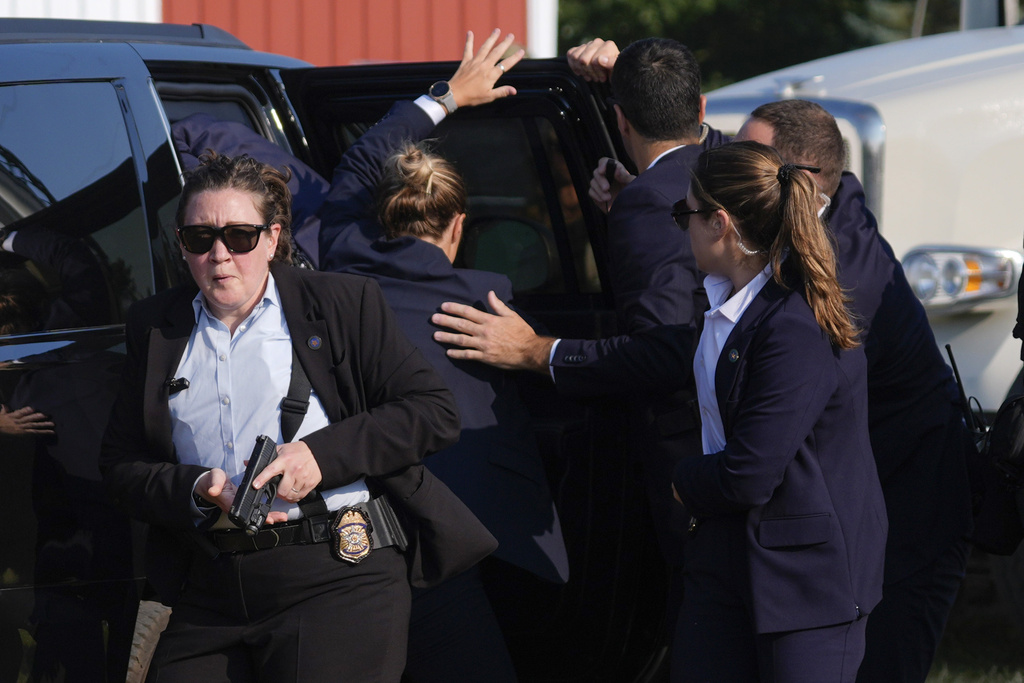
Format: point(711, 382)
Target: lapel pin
point(314, 342)
point(734, 355)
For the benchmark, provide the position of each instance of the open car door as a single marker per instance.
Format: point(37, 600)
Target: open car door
point(527, 161)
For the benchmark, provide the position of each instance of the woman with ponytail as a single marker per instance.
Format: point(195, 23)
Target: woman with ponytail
point(788, 524)
point(395, 213)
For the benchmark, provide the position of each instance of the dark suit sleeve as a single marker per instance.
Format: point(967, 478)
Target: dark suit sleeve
point(653, 271)
point(408, 411)
point(791, 374)
point(658, 294)
point(657, 359)
point(139, 479)
point(347, 218)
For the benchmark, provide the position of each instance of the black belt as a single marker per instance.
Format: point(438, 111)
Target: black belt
point(384, 527)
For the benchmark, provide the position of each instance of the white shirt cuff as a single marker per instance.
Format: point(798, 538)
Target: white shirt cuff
point(551, 359)
point(8, 244)
point(431, 107)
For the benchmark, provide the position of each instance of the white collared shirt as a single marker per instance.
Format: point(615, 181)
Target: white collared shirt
point(719, 322)
point(662, 155)
point(236, 384)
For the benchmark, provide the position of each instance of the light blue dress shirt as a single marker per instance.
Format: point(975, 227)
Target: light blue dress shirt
point(236, 384)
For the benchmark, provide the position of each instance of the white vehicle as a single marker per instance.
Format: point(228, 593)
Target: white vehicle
point(935, 131)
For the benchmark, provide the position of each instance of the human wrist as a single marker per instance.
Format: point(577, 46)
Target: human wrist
point(538, 354)
point(443, 93)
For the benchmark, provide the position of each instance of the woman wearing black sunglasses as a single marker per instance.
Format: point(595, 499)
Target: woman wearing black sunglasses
point(316, 362)
point(787, 535)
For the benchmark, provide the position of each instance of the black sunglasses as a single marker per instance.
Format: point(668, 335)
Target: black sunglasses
point(239, 238)
point(681, 213)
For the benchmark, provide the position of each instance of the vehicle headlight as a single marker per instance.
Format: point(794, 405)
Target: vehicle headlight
point(956, 277)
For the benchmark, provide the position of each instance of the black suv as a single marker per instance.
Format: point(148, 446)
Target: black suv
point(89, 180)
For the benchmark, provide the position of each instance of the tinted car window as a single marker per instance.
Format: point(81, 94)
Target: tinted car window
point(68, 189)
point(524, 219)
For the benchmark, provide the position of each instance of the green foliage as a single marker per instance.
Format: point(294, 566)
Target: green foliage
point(736, 39)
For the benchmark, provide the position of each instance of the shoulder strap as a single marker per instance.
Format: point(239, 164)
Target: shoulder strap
point(296, 403)
point(293, 410)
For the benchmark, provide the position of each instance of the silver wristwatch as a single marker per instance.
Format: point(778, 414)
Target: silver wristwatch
point(441, 93)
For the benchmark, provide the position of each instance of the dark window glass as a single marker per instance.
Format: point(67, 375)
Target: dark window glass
point(68, 191)
point(524, 219)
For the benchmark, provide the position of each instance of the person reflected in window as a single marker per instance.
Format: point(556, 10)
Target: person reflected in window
point(84, 297)
point(396, 212)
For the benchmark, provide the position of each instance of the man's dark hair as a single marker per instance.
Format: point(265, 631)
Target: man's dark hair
point(804, 133)
point(656, 81)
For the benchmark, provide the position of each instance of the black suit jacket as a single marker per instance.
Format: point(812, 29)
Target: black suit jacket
point(386, 405)
point(495, 467)
point(796, 476)
point(912, 396)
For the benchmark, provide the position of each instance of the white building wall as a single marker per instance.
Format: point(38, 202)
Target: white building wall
point(542, 28)
point(111, 10)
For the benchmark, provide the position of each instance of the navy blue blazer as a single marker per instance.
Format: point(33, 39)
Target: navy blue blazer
point(659, 297)
point(495, 467)
point(911, 394)
point(796, 474)
point(655, 280)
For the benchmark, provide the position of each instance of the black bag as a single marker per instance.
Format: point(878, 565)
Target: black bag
point(997, 469)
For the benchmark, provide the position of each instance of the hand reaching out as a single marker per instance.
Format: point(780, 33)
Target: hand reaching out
point(593, 60)
point(473, 82)
point(502, 339)
point(25, 421)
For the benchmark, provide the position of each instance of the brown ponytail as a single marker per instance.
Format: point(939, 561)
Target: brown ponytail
point(419, 194)
point(775, 208)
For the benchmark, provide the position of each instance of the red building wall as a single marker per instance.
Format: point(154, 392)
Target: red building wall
point(336, 32)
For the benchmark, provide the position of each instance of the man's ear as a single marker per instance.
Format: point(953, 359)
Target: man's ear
point(621, 121)
point(703, 108)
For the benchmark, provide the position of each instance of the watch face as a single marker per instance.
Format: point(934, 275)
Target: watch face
point(439, 89)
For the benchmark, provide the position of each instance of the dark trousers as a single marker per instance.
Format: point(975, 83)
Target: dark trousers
point(716, 643)
point(906, 627)
point(454, 636)
point(715, 640)
point(293, 613)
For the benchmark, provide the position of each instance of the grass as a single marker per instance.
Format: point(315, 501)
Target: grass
point(982, 644)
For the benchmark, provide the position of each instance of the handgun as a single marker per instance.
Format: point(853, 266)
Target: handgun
point(250, 508)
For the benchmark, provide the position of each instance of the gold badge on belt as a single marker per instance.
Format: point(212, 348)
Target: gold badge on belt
point(350, 533)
